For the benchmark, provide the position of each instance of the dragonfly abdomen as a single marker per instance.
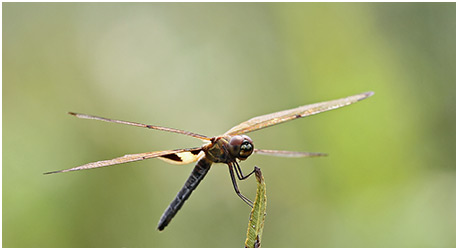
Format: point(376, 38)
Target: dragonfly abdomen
point(197, 174)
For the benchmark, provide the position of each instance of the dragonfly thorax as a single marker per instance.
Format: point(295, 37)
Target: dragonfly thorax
point(227, 149)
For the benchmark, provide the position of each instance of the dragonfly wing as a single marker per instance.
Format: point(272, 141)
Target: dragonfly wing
point(127, 158)
point(136, 124)
point(268, 120)
point(183, 157)
point(292, 154)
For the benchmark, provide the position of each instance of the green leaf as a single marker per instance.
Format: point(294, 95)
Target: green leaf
point(258, 213)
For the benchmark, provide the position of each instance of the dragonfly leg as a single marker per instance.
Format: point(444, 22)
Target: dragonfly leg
point(234, 183)
point(239, 173)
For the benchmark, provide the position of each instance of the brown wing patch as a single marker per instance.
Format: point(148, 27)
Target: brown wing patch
point(173, 157)
point(195, 151)
point(183, 157)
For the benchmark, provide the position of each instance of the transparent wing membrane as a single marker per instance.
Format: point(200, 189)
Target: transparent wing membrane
point(291, 154)
point(268, 120)
point(125, 159)
point(178, 131)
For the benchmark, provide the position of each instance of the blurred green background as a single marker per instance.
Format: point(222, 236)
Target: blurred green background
point(389, 179)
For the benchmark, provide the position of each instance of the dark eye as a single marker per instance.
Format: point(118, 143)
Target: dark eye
point(246, 146)
point(246, 149)
point(241, 146)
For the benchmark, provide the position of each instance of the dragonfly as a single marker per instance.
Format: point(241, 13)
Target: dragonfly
point(230, 148)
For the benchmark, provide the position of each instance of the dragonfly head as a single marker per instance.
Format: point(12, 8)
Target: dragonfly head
point(241, 146)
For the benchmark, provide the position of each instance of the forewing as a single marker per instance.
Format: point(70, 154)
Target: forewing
point(136, 124)
point(125, 159)
point(263, 121)
point(292, 154)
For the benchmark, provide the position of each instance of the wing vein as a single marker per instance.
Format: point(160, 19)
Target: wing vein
point(124, 159)
point(268, 120)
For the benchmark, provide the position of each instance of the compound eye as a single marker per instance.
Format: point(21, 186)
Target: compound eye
point(241, 146)
point(236, 140)
point(246, 149)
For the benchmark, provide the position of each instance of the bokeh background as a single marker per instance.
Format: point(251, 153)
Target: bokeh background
point(389, 179)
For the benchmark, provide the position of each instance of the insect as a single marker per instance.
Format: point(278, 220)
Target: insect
point(229, 148)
